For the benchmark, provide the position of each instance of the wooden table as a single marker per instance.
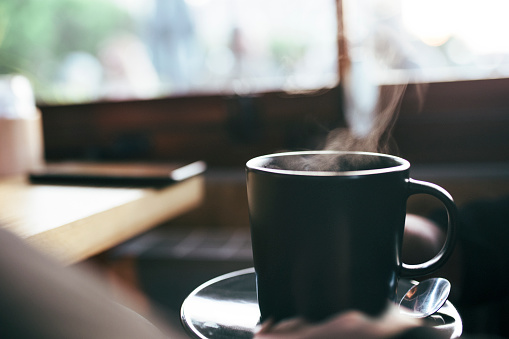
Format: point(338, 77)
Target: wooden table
point(72, 223)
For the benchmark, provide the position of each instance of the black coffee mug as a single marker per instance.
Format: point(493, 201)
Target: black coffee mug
point(327, 231)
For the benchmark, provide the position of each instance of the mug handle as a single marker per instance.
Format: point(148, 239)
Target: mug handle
point(423, 187)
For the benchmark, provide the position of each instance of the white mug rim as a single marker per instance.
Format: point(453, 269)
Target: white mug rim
point(254, 164)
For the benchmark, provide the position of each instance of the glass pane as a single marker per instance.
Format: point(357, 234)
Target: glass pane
point(429, 40)
point(83, 50)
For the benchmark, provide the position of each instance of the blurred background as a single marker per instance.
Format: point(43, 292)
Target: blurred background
point(79, 51)
point(226, 80)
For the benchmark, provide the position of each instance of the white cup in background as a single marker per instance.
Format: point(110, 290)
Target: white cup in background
point(21, 138)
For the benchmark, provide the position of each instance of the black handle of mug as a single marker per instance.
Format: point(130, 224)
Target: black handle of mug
point(419, 187)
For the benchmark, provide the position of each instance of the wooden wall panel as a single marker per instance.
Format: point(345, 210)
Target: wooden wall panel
point(460, 122)
point(222, 130)
point(451, 122)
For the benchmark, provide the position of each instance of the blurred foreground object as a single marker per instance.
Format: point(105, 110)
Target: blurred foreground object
point(21, 142)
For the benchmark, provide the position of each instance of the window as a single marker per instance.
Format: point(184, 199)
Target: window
point(89, 50)
point(429, 41)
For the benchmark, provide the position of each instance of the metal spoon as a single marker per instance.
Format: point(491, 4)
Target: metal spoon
point(425, 298)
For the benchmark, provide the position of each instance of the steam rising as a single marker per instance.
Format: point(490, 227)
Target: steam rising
point(377, 109)
point(378, 138)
